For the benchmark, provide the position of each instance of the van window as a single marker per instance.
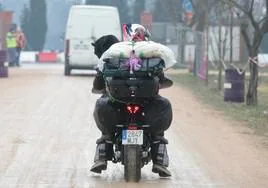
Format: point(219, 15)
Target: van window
point(85, 23)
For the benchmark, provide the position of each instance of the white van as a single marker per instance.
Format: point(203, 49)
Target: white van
point(87, 23)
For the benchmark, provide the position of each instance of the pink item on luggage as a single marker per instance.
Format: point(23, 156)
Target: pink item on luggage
point(134, 62)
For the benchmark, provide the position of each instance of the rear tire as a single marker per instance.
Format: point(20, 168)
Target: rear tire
point(132, 163)
point(67, 70)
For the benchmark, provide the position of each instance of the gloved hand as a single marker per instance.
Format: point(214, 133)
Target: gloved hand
point(98, 83)
point(95, 91)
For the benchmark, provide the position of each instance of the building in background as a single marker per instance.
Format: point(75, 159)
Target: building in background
point(5, 24)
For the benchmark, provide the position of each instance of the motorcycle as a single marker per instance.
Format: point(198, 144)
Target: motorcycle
point(132, 141)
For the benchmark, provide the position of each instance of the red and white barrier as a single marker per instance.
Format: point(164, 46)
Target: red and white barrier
point(45, 57)
point(41, 57)
point(28, 57)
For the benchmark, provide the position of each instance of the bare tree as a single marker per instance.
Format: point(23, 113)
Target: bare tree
point(253, 29)
point(220, 14)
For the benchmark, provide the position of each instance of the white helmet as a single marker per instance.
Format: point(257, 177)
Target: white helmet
point(135, 32)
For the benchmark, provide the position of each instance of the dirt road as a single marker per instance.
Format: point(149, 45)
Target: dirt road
point(47, 138)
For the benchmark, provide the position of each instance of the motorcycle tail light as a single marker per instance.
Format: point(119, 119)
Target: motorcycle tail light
point(133, 109)
point(129, 109)
point(136, 109)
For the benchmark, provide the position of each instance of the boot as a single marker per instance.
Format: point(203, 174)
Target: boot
point(104, 152)
point(98, 166)
point(160, 159)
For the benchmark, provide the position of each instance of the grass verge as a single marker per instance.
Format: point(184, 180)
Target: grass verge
point(256, 117)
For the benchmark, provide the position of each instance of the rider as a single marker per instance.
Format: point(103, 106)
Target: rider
point(106, 114)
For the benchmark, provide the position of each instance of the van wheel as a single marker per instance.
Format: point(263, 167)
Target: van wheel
point(67, 70)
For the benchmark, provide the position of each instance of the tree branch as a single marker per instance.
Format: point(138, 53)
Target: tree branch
point(254, 22)
point(251, 6)
point(264, 28)
point(246, 37)
point(267, 9)
point(245, 11)
point(248, 13)
point(263, 19)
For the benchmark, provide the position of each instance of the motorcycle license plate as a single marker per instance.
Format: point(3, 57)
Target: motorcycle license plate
point(132, 137)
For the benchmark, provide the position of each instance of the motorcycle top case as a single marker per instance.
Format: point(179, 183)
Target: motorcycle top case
point(127, 89)
point(142, 84)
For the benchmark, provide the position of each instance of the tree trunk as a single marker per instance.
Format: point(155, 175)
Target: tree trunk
point(201, 21)
point(252, 94)
point(220, 57)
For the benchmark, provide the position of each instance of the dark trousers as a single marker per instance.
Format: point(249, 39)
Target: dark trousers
point(17, 60)
point(158, 114)
point(11, 56)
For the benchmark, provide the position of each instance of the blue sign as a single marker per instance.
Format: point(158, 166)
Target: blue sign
point(124, 134)
point(187, 5)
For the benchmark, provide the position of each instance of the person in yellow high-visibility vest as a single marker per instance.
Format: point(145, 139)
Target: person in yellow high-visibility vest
point(11, 44)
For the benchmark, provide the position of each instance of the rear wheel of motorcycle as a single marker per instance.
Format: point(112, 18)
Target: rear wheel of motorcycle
point(132, 162)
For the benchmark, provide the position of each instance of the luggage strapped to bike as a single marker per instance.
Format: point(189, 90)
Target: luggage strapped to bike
point(124, 86)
